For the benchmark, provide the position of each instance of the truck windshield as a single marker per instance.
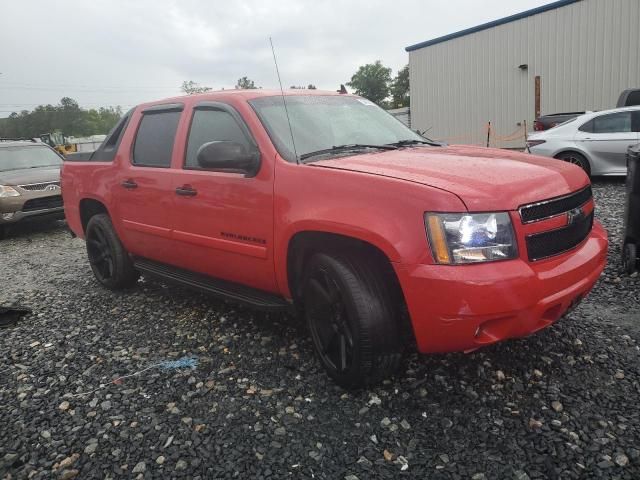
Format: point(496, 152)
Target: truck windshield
point(16, 158)
point(320, 123)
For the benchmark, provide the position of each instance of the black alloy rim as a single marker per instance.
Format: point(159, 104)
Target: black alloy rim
point(329, 323)
point(99, 252)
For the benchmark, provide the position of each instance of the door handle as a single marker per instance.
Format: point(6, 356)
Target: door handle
point(186, 191)
point(129, 184)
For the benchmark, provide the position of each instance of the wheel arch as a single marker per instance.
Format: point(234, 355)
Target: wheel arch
point(303, 244)
point(88, 208)
point(579, 152)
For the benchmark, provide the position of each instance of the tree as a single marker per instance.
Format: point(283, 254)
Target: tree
point(191, 88)
point(245, 84)
point(66, 117)
point(372, 81)
point(400, 88)
point(311, 86)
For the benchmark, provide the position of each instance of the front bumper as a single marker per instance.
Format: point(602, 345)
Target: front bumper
point(13, 209)
point(465, 307)
point(50, 213)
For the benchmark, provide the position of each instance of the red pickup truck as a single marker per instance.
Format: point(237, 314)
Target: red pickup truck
point(324, 204)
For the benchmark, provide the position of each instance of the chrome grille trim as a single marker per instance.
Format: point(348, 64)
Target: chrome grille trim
point(38, 187)
point(555, 206)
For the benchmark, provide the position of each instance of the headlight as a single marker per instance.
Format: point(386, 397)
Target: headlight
point(469, 238)
point(8, 192)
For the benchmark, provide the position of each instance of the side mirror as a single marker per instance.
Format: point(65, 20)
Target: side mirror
point(232, 156)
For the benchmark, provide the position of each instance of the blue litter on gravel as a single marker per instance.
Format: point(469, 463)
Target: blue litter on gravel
point(184, 362)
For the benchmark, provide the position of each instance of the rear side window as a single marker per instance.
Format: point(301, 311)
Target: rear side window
point(587, 127)
point(613, 123)
point(211, 125)
point(107, 151)
point(154, 140)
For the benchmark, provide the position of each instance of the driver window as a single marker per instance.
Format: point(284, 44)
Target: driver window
point(210, 125)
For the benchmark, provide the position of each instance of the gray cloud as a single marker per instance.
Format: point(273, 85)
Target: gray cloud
point(120, 52)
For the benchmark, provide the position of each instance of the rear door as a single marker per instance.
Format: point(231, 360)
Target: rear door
point(223, 221)
point(144, 186)
point(606, 139)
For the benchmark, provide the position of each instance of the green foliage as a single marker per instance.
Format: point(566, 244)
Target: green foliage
point(400, 89)
point(66, 117)
point(245, 84)
point(372, 81)
point(191, 88)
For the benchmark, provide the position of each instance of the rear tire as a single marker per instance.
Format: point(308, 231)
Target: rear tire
point(629, 258)
point(3, 232)
point(109, 260)
point(352, 319)
point(576, 159)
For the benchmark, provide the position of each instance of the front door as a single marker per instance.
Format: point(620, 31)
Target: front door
point(223, 221)
point(606, 139)
point(144, 193)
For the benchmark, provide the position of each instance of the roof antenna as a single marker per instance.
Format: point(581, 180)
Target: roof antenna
point(284, 102)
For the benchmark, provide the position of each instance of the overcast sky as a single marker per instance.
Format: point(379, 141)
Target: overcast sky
point(122, 52)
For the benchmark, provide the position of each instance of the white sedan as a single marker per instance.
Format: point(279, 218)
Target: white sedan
point(595, 141)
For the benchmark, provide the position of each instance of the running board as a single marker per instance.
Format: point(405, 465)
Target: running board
point(214, 286)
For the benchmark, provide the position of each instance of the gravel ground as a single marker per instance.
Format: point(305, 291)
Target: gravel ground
point(560, 404)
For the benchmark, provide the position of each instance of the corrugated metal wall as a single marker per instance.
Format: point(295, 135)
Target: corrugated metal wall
point(586, 53)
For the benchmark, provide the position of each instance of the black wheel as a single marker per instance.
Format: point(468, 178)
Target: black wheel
point(629, 258)
point(109, 260)
point(3, 232)
point(576, 159)
point(352, 319)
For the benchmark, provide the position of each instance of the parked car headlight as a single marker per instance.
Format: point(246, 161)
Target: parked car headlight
point(534, 143)
point(459, 238)
point(8, 192)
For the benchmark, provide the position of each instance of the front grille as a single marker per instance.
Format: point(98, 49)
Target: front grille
point(547, 244)
point(43, 203)
point(553, 207)
point(40, 187)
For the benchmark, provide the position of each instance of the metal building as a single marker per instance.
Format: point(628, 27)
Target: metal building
point(567, 56)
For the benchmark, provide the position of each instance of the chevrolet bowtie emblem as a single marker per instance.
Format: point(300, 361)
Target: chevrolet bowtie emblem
point(574, 215)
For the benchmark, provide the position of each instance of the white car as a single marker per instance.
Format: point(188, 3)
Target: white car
point(595, 141)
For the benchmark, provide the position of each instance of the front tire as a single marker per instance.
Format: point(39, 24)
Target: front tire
point(576, 159)
point(352, 319)
point(109, 260)
point(629, 258)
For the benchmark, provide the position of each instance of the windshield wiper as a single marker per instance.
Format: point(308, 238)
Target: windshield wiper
point(406, 143)
point(346, 148)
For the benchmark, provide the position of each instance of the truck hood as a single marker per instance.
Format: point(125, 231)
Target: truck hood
point(30, 175)
point(485, 179)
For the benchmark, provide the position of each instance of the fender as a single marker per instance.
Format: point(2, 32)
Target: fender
point(351, 231)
